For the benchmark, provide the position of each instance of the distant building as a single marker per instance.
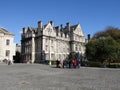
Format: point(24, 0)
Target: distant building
point(17, 57)
point(18, 48)
point(7, 46)
point(47, 42)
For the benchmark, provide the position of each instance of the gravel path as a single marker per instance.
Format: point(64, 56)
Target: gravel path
point(43, 77)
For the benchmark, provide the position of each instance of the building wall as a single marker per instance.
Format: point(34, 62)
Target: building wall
point(4, 48)
point(18, 48)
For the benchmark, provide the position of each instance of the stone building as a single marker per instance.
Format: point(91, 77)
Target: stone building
point(17, 57)
point(18, 48)
point(7, 46)
point(49, 42)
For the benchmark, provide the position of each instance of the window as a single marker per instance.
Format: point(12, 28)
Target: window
point(52, 48)
point(79, 48)
point(51, 41)
point(46, 47)
point(46, 40)
point(7, 53)
point(76, 47)
point(7, 42)
point(52, 56)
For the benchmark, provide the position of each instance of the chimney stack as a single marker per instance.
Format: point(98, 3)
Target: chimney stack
point(88, 37)
point(61, 26)
point(24, 30)
point(39, 24)
point(68, 25)
point(52, 23)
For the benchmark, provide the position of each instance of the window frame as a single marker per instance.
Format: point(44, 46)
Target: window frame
point(7, 42)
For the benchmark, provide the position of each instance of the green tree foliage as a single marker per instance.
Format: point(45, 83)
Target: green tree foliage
point(104, 45)
point(109, 32)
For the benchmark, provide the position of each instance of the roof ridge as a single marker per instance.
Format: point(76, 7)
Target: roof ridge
point(3, 30)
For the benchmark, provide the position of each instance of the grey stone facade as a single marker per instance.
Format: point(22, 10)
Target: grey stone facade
point(49, 42)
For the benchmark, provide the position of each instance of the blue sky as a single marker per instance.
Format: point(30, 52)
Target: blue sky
point(93, 15)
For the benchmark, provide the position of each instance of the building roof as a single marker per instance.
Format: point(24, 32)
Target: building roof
point(74, 27)
point(2, 30)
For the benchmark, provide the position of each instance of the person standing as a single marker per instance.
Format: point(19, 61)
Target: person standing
point(69, 62)
point(74, 63)
point(64, 63)
point(50, 63)
point(9, 62)
point(57, 63)
point(79, 63)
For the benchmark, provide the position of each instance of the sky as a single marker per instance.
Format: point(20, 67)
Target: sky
point(92, 15)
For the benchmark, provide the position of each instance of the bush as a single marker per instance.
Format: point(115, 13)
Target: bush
point(99, 64)
point(53, 62)
point(84, 63)
point(91, 64)
point(113, 65)
point(95, 64)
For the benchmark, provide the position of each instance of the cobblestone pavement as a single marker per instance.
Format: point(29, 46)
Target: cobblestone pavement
point(43, 77)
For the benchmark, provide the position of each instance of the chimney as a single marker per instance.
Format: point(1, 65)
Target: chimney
point(68, 25)
point(24, 30)
point(88, 37)
point(52, 23)
point(61, 26)
point(39, 24)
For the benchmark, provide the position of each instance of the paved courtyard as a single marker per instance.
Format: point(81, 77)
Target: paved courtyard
point(43, 77)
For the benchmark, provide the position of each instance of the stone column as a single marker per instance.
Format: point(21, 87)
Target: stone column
point(49, 51)
point(33, 49)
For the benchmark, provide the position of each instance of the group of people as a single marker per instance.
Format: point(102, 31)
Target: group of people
point(8, 61)
point(68, 63)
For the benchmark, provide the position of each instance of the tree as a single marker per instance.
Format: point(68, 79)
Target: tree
point(91, 49)
point(105, 45)
point(102, 49)
point(109, 32)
